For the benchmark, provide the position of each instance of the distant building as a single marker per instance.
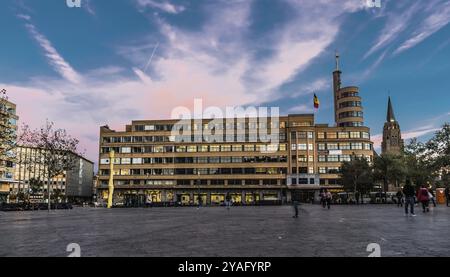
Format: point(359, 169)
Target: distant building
point(392, 137)
point(7, 109)
point(151, 163)
point(74, 185)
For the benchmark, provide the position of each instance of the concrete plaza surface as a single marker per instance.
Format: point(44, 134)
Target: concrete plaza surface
point(214, 231)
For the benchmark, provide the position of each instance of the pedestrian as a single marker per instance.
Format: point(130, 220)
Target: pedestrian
point(323, 197)
point(295, 205)
point(432, 196)
point(399, 196)
point(422, 197)
point(228, 201)
point(357, 197)
point(408, 192)
point(200, 201)
point(328, 197)
point(447, 195)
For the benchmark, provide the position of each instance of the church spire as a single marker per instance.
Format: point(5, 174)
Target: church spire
point(390, 112)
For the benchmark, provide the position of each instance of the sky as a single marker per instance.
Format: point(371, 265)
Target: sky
point(111, 62)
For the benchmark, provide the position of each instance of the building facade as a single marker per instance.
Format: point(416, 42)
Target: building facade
point(392, 143)
point(8, 125)
point(153, 164)
point(73, 185)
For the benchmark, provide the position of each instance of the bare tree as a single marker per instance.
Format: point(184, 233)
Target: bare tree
point(57, 151)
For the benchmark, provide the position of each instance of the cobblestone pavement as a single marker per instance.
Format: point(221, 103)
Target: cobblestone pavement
point(214, 231)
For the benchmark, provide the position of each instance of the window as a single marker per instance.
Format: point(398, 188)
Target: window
point(331, 135)
point(237, 148)
point(343, 135)
point(333, 158)
point(214, 148)
point(192, 149)
point(236, 159)
point(320, 135)
point(126, 139)
point(181, 149)
point(149, 127)
point(225, 148)
point(321, 146)
point(310, 135)
point(332, 146)
point(249, 148)
point(126, 161)
point(137, 160)
point(302, 146)
point(355, 135)
point(158, 149)
point(126, 150)
point(322, 170)
point(203, 148)
point(365, 135)
point(283, 147)
point(104, 161)
point(367, 146)
point(357, 146)
point(322, 158)
point(225, 160)
point(344, 146)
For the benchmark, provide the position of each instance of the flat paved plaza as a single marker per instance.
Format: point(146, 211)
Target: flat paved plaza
point(214, 231)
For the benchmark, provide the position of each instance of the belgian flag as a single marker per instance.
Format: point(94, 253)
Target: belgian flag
point(316, 102)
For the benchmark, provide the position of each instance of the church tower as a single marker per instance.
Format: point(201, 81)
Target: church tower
point(392, 137)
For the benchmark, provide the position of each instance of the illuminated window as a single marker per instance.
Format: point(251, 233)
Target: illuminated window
point(343, 135)
point(192, 149)
point(126, 150)
point(214, 148)
point(225, 148)
point(237, 148)
point(249, 148)
point(355, 135)
point(321, 135)
point(126, 161)
point(331, 135)
point(203, 148)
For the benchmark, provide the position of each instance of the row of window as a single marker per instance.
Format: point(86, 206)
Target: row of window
point(195, 182)
point(350, 104)
point(210, 126)
point(193, 171)
point(351, 124)
point(340, 158)
point(196, 160)
point(196, 148)
point(343, 135)
point(344, 146)
point(329, 170)
point(348, 94)
point(217, 137)
point(351, 114)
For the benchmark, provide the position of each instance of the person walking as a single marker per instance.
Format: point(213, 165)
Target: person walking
point(357, 197)
point(200, 201)
point(228, 201)
point(422, 197)
point(399, 196)
point(408, 192)
point(432, 196)
point(295, 205)
point(323, 198)
point(447, 195)
point(328, 197)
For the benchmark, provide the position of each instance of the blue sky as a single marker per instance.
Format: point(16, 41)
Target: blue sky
point(110, 62)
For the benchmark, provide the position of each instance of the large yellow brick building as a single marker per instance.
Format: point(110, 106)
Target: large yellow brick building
point(153, 164)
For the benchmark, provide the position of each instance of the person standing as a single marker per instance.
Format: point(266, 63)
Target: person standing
point(295, 205)
point(357, 197)
point(399, 198)
point(328, 197)
point(422, 197)
point(409, 193)
point(447, 195)
point(228, 201)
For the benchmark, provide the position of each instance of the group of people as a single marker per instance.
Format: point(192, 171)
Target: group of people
point(424, 196)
